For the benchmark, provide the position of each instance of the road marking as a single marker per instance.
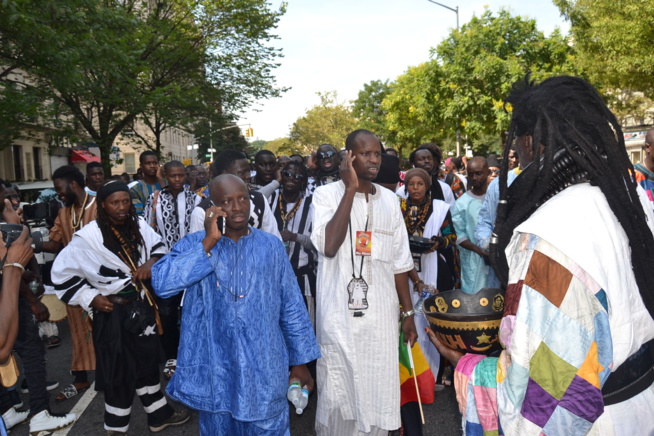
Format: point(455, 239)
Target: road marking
point(79, 408)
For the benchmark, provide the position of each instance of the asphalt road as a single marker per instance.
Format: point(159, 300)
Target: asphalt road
point(442, 417)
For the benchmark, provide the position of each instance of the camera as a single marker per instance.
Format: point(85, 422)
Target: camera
point(36, 211)
point(11, 232)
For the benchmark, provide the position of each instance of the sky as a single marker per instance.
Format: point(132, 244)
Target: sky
point(338, 45)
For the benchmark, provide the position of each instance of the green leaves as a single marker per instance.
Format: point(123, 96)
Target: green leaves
point(463, 87)
point(110, 62)
point(614, 43)
point(326, 123)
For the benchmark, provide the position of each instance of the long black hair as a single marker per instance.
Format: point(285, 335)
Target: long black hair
point(576, 139)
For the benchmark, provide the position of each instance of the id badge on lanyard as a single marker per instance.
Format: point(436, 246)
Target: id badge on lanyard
point(357, 288)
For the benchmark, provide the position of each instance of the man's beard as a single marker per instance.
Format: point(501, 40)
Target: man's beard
point(70, 198)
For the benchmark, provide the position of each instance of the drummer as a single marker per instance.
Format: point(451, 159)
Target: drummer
point(79, 209)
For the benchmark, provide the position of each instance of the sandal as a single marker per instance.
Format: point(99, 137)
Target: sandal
point(71, 390)
point(52, 341)
point(169, 368)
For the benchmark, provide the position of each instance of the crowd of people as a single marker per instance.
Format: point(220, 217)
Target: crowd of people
point(243, 277)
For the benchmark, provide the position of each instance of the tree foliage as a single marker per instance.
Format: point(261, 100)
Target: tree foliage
point(280, 146)
point(370, 113)
point(108, 62)
point(463, 87)
point(481, 62)
point(217, 132)
point(614, 41)
point(413, 107)
point(326, 123)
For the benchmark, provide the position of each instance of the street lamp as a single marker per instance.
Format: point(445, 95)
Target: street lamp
point(458, 129)
point(455, 10)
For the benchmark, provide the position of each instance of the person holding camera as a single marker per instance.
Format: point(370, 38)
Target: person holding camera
point(104, 268)
point(19, 329)
point(13, 261)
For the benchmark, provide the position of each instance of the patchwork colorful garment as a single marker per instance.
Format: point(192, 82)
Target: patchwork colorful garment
point(645, 179)
point(567, 324)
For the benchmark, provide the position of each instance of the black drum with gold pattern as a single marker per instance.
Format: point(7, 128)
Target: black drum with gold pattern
point(467, 323)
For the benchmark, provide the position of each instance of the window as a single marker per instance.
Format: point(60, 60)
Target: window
point(38, 169)
point(130, 163)
point(18, 164)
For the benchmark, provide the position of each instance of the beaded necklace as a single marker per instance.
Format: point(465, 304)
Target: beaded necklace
point(77, 226)
point(286, 217)
point(415, 216)
point(131, 248)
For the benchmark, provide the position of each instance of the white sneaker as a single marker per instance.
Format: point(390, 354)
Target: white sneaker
point(44, 423)
point(13, 417)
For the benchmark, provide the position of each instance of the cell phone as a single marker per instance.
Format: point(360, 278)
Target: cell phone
point(221, 224)
point(221, 220)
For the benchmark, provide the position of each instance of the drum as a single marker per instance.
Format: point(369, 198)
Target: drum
point(464, 322)
point(56, 307)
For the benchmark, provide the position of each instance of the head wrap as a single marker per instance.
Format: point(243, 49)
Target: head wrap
point(389, 171)
point(111, 187)
point(418, 172)
point(492, 161)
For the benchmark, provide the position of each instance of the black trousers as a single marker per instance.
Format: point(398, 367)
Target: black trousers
point(169, 311)
point(411, 421)
point(31, 350)
point(5, 401)
point(126, 363)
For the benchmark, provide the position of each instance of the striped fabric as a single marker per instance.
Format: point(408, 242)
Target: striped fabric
point(140, 193)
point(81, 337)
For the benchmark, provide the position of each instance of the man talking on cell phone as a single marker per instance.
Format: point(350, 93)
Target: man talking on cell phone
point(244, 322)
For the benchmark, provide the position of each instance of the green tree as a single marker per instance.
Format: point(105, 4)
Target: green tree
point(280, 146)
point(369, 112)
point(108, 62)
point(220, 133)
point(614, 41)
point(326, 123)
point(413, 106)
point(479, 64)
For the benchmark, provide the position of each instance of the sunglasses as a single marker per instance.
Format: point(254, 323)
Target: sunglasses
point(292, 175)
point(325, 154)
point(495, 171)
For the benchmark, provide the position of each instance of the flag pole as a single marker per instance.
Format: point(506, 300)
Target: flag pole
point(415, 380)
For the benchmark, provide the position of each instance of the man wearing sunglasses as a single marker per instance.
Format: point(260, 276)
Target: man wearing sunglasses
point(493, 167)
point(325, 163)
point(294, 216)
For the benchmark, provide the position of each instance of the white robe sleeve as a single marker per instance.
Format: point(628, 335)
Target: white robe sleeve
point(269, 224)
point(197, 219)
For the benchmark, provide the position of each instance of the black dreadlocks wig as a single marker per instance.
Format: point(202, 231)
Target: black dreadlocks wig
point(576, 139)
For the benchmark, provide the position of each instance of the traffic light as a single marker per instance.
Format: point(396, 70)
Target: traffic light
point(249, 132)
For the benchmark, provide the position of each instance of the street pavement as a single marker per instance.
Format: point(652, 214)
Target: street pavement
point(442, 418)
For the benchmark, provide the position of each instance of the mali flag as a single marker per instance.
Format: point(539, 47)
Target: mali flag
point(426, 382)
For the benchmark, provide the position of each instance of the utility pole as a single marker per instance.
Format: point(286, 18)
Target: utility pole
point(458, 127)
